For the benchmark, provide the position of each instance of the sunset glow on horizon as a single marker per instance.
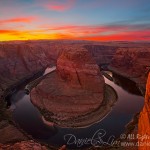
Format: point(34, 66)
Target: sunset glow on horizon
point(100, 20)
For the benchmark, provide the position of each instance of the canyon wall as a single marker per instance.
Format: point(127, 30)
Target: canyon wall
point(101, 53)
point(79, 69)
point(144, 121)
point(75, 90)
point(133, 63)
point(20, 61)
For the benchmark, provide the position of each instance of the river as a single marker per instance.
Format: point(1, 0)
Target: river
point(129, 102)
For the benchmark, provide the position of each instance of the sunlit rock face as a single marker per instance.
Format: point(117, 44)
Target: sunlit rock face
point(144, 121)
point(75, 89)
point(79, 70)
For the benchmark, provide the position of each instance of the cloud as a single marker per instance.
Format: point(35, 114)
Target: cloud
point(107, 32)
point(60, 6)
point(99, 33)
point(9, 32)
point(31, 34)
point(124, 36)
point(96, 29)
point(18, 20)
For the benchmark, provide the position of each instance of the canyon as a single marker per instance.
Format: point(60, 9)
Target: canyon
point(75, 90)
point(133, 63)
point(22, 61)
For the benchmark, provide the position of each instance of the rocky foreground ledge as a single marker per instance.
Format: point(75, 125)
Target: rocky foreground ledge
point(75, 92)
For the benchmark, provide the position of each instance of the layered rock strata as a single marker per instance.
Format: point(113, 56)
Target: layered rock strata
point(133, 63)
point(102, 54)
point(144, 121)
point(24, 145)
point(75, 90)
point(21, 60)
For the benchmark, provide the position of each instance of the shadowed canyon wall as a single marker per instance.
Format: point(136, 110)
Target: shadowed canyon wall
point(21, 60)
point(133, 62)
point(102, 54)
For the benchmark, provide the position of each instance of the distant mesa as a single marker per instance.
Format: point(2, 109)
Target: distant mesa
point(67, 96)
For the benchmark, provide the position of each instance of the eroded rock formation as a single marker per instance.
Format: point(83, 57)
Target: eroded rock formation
point(76, 89)
point(144, 121)
point(18, 62)
point(10, 133)
point(77, 67)
point(102, 54)
point(24, 145)
point(21, 60)
point(132, 63)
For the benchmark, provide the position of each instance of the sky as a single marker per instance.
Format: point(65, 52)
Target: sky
point(99, 20)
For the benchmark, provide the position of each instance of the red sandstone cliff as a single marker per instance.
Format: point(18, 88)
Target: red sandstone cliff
point(79, 69)
point(17, 63)
point(19, 60)
point(24, 145)
point(102, 54)
point(133, 63)
point(75, 90)
point(144, 121)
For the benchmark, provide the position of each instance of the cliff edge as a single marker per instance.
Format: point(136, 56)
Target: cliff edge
point(74, 90)
point(144, 121)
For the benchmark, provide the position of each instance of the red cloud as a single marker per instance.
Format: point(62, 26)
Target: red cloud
point(59, 6)
point(16, 33)
point(127, 36)
point(12, 32)
point(17, 20)
point(110, 32)
point(97, 29)
point(8, 31)
point(98, 33)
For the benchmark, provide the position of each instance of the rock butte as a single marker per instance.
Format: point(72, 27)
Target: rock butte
point(144, 120)
point(75, 89)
